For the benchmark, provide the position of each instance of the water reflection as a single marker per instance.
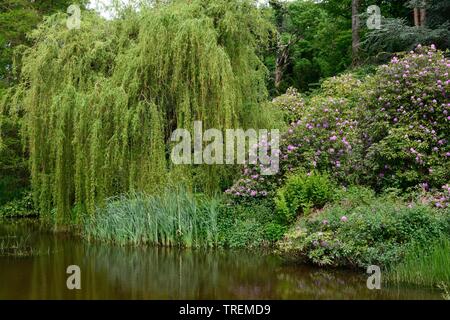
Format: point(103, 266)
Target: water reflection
point(110, 272)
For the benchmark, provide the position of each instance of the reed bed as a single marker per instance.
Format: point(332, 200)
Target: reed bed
point(174, 218)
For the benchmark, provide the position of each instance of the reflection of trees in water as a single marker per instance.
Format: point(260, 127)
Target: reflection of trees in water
point(313, 283)
point(169, 273)
point(190, 274)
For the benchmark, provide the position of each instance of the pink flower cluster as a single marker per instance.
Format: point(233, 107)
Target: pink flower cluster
point(441, 199)
point(253, 184)
point(322, 139)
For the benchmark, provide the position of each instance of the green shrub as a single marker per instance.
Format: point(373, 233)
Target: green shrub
point(20, 207)
point(291, 105)
point(302, 192)
point(245, 234)
point(379, 232)
point(249, 224)
point(353, 196)
point(274, 231)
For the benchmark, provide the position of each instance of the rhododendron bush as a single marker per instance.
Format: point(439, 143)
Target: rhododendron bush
point(409, 120)
point(325, 138)
point(291, 104)
point(388, 130)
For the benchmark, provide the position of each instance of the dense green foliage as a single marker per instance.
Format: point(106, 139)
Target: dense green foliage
point(398, 32)
point(13, 165)
point(369, 231)
point(249, 224)
point(20, 207)
point(315, 37)
point(17, 18)
point(301, 193)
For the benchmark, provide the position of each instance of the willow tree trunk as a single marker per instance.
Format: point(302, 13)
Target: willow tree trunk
point(355, 32)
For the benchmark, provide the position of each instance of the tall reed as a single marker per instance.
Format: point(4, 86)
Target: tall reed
point(172, 218)
point(428, 266)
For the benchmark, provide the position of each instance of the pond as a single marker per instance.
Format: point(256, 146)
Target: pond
point(111, 272)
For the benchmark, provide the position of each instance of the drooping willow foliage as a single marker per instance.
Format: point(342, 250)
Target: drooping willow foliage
point(99, 104)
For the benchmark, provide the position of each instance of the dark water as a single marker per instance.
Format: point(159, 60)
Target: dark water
point(109, 272)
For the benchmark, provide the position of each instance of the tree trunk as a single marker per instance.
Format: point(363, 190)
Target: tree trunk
point(420, 15)
point(282, 61)
point(278, 75)
point(355, 32)
point(423, 17)
point(416, 17)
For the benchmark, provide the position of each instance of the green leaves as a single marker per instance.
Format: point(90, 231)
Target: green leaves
point(301, 193)
point(318, 42)
point(359, 233)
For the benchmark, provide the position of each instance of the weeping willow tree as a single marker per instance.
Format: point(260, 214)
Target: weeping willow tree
point(98, 104)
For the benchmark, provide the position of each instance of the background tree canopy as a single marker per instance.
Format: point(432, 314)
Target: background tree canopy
point(315, 38)
point(17, 18)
